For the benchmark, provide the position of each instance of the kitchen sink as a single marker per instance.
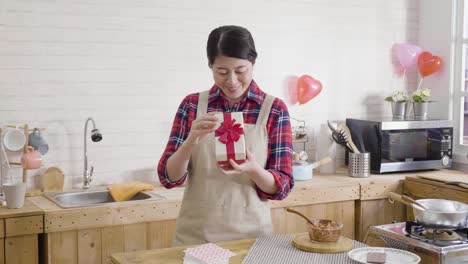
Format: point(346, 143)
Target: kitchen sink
point(95, 197)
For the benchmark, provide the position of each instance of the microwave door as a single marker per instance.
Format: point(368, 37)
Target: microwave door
point(413, 149)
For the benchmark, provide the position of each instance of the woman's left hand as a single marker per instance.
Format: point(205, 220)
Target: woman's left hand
point(249, 166)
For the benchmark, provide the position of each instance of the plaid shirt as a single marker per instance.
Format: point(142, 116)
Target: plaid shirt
point(279, 162)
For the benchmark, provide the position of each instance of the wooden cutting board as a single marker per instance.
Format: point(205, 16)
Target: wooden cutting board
point(456, 179)
point(303, 242)
point(52, 180)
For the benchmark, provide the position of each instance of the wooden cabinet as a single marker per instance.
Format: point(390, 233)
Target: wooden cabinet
point(373, 207)
point(287, 223)
point(92, 234)
point(422, 188)
point(419, 188)
point(95, 245)
point(19, 234)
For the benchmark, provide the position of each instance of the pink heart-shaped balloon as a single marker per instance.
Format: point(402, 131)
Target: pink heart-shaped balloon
point(307, 88)
point(292, 89)
point(406, 54)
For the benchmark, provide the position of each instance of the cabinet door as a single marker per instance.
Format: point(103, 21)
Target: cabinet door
point(288, 223)
point(376, 212)
point(22, 249)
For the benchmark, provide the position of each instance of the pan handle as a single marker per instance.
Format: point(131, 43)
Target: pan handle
point(405, 200)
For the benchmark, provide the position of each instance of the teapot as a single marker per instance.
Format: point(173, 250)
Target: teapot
point(31, 159)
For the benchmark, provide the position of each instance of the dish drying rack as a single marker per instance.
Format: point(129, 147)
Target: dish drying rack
point(299, 133)
point(26, 131)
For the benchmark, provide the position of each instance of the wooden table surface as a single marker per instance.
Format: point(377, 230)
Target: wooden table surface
point(176, 254)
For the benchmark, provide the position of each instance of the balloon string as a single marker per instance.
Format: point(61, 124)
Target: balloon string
point(404, 80)
point(420, 82)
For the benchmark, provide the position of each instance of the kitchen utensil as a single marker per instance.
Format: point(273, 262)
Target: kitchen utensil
point(460, 180)
point(32, 159)
point(303, 170)
point(303, 242)
point(298, 213)
point(357, 135)
point(52, 180)
point(14, 139)
point(324, 231)
point(407, 200)
point(347, 134)
point(439, 213)
point(393, 255)
point(359, 164)
point(459, 184)
point(339, 137)
point(37, 141)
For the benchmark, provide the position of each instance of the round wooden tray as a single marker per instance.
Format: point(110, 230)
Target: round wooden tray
point(303, 242)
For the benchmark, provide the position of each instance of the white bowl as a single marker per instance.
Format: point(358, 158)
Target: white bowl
point(14, 139)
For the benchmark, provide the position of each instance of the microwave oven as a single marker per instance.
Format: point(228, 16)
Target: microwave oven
point(404, 145)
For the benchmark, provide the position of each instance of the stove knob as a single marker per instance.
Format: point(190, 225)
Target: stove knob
point(445, 160)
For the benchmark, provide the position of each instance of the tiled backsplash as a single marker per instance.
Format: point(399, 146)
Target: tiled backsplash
point(128, 64)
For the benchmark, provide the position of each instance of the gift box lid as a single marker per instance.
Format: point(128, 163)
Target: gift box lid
point(209, 253)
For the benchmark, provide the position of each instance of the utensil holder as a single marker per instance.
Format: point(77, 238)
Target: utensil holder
point(359, 164)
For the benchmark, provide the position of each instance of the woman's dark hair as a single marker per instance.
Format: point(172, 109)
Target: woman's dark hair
point(230, 41)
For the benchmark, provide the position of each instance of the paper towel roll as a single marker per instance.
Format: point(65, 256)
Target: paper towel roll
point(326, 147)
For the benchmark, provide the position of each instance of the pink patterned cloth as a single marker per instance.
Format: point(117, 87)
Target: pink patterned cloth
point(209, 253)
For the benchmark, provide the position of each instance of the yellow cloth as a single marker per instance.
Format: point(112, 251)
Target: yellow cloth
point(124, 191)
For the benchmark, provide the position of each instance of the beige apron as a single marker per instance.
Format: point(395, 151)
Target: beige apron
point(218, 207)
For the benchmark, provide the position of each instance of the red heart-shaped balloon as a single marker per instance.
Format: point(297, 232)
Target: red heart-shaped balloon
point(428, 64)
point(307, 88)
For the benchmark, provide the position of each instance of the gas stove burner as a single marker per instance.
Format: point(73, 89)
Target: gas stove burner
point(438, 237)
point(445, 235)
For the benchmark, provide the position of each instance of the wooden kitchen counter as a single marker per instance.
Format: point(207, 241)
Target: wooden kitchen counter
point(176, 254)
point(28, 209)
point(92, 234)
point(320, 189)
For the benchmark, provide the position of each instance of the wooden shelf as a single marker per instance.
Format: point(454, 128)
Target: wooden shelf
point(301, 140)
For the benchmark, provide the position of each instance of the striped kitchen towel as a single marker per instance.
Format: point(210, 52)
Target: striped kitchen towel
point(278, 249)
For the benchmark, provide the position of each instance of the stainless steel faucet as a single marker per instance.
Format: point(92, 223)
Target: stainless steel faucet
point(96, 136)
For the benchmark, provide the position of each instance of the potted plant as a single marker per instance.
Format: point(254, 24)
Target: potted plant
point(421, 103)
point(399, 99)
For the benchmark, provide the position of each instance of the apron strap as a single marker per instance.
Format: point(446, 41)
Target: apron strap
point(202, 103)
point(265, 110)
point(262, 116)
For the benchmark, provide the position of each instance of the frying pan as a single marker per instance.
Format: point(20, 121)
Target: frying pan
point(436, 213)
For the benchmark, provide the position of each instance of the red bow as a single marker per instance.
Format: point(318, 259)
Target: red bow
point(229, 131)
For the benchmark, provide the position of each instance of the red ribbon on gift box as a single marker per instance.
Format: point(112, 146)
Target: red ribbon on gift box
point(228, 133)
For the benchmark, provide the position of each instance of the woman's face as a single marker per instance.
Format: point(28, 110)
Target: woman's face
point(233, 76)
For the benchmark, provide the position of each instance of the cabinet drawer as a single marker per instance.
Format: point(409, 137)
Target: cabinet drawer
point(24, 225)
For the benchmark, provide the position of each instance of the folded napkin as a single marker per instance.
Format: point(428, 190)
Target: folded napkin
point(124, 191)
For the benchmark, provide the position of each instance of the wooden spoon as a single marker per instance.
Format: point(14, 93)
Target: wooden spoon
point(299, 213)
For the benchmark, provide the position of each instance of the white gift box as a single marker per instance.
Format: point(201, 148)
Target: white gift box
point(207, 254)
point(228, 127)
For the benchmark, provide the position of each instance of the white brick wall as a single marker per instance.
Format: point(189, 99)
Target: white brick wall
point(128, 64)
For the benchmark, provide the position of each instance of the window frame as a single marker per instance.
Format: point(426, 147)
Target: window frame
point(459, 149)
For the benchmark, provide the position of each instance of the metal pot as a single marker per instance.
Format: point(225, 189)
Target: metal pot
point(436, 213)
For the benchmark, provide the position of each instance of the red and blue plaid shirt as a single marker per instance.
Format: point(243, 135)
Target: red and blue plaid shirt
point(279, 162)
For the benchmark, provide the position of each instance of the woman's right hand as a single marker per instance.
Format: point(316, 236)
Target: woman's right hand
point(201, 127)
